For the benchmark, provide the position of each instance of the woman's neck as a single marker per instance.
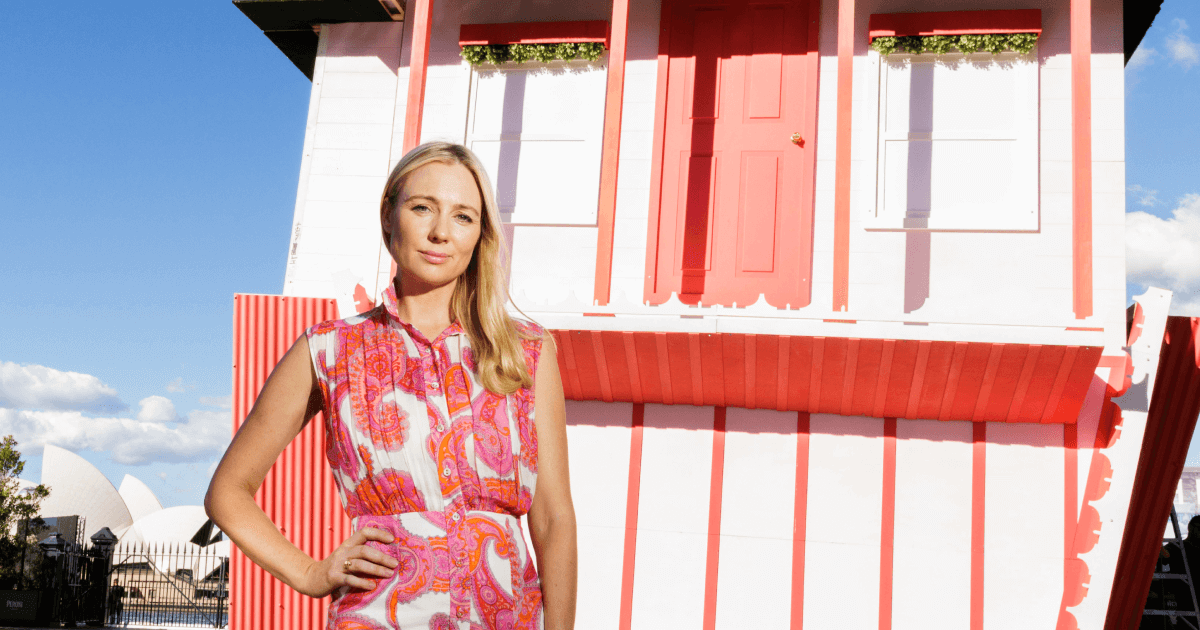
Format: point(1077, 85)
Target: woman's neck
point(425, 308)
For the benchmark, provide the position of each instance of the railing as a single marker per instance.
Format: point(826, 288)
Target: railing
point(138, 584)
point(169, 584)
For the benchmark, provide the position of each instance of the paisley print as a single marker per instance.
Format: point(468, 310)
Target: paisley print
point(420, 449)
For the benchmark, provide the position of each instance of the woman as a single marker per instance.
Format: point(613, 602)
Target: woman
point(436, 439)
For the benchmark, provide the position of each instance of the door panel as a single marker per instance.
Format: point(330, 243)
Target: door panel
point(735, 206)
point(757, 228)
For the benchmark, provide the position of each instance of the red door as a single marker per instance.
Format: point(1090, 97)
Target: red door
point(734, 215)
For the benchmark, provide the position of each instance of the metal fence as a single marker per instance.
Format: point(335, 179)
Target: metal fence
point(169, 584)
point(139, 584)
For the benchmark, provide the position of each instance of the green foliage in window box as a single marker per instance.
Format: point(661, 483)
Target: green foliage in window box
point(541, 53)
point(966, 44)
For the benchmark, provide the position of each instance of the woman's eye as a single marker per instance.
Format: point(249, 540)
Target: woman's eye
point(466, 218)
point(420, 208)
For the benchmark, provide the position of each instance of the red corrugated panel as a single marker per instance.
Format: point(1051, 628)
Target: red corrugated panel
point(298, 493)
point(1174, 406)
point(945, 380)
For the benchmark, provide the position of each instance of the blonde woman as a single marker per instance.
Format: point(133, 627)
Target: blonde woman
point(444, 423)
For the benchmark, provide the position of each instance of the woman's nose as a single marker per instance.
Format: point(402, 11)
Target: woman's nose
point(440, 228)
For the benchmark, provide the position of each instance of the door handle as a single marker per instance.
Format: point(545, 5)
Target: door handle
point(797, 140)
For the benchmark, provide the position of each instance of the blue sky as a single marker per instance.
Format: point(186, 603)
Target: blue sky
point(149, 170)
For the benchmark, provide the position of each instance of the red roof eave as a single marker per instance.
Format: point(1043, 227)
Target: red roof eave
point(899, 378)
point(954, 23)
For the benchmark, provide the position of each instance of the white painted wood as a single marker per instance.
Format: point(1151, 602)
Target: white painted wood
point(755, 571)
point(841, 575)
point(672, 517)
point(1023, 530)
point(598, 437)
point(931, 576)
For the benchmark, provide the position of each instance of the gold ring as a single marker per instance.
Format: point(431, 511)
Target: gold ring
point(346, 566)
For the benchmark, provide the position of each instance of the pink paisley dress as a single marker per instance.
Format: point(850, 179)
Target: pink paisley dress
point(419, 448)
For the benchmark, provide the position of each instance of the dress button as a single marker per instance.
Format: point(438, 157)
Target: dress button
point(455, 517)
point(441, 427)
point(433, 385)
point(445, 470)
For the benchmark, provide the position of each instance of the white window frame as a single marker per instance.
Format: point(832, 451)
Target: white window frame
point(1021, 213)
point(578, 206)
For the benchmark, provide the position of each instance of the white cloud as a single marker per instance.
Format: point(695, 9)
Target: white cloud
point(1142, 57)
point(40, 387)
point(156, 435)
point(161, 475)
point(1146, 196)
point(157, 410)
point(1166, 253)
point(1181, 48)
point(220, 402)
point(178, 385)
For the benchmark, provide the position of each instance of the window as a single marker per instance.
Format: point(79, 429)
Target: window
point(538, 128)
point(957, 142)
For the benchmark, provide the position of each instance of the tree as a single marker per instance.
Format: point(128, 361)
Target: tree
point(17, 508)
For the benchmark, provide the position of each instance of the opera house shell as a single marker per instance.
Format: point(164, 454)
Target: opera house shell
point(133, 513)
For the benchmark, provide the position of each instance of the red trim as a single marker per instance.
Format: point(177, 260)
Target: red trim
point(656, 161)
point(800, 521)
point(418, 67)
point(887, 530)
point(946, 380)
point(841, 195)
point(716, 484)
point(1170, 422)
point(1081, 156)
point(533, 33)
point(631, 515)
point(1120, 371)
point(954, 23)
point(978, 516)
point(610, 152)
point(1070, 500)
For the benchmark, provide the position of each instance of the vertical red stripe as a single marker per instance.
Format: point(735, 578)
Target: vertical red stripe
point(841, 197)
point(418, 66)
point(716, 484)
point(887, 530)
point(1070, 503)
point(978, 513)
point(800, 520)
point(606, 211)
point(631, 515)
point(1081, 155)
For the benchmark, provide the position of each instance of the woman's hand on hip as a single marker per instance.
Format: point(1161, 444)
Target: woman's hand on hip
point(352, 564)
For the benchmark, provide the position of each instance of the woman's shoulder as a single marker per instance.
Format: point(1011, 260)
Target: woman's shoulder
point(529, 329)
point(346, 325)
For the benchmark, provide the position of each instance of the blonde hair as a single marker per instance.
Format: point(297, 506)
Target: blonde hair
point(481, 292)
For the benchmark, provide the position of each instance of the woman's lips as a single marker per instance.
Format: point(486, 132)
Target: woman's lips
point(434, 257)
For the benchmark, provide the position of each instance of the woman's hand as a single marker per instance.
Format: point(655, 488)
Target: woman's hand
point(347, 565)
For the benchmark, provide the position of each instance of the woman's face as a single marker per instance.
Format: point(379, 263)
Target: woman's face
point(435, 225)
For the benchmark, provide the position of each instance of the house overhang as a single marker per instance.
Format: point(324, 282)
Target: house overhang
point(899, 372)
point(290, 24)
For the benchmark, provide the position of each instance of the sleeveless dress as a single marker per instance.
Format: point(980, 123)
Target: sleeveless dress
point(419, 448)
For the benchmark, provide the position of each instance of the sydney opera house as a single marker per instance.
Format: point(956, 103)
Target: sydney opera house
point(132, 512)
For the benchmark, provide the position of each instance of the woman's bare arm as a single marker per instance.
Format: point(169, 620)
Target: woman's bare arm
point(288, 400)
point(552, 516)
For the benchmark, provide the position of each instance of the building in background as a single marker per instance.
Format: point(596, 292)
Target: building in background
point(843, 333)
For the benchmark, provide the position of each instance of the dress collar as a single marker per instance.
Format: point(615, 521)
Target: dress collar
point(391, 304)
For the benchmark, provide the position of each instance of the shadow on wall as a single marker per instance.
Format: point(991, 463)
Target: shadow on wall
point(688, 417)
